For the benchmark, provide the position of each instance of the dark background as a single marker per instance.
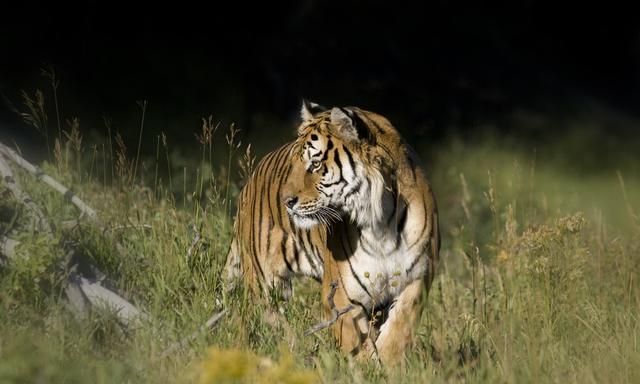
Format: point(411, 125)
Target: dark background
point(448, 67)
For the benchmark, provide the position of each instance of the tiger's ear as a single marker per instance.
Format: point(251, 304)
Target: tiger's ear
point(349, 125)
point(309, 109)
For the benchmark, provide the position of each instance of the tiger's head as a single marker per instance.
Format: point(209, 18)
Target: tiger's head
point(337, 167)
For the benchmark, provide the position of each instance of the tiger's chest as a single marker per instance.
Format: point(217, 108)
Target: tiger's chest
point(380, 268)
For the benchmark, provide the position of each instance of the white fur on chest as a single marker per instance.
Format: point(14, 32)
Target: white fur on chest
point(383, 269)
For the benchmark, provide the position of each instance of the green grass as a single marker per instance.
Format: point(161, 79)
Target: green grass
point(538, 280)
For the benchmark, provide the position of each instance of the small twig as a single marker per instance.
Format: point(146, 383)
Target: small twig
point(40, 175)
point(335, 313)
point(213, 320)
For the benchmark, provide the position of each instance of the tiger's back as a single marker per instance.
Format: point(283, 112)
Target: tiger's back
point(267, 250)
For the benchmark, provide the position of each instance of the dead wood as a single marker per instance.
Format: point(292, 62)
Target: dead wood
point(335, 313)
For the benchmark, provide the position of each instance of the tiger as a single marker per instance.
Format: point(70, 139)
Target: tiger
point(350, 199)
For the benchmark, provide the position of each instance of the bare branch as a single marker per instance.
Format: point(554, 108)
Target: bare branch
point(335, 313)
point(209, 324)
point(100, 296)
point(40, 175)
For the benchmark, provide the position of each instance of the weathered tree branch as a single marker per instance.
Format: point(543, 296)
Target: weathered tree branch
point(213, 320)
point(335, 313)
point(50, 181)
point(100, 296)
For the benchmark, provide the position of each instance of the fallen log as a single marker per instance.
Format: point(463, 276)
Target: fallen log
point(85, 282)
point(82, 292)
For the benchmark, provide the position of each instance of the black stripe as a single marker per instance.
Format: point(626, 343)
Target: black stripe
point(279, 171)
point(283, 250)
point(395, 207)
point(267, 163)
point(283, 152)
point(283, 170)
point(353, 301)
point(252, 236)
point(301, 235)
point(270, 221)
point(401, 223)
point(353, 272)
point(309, 250)
point(353, 190)
point(365, 310)
point(327, 185)
point(308, 255)
point(269, 205)
point(316, 253)
point(424, 226)
point(414, 263)
point(296, 255)
point(339, 165)
point(257, 216)
point(403, 219)
point(336, 159)
point(413, 167)
point(371, 122)
point(281, 176)
point(364, 245)
point(361, 127)
point(352, 164)
point(325, 155)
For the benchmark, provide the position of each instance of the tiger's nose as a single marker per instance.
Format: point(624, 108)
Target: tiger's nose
point(290, 201)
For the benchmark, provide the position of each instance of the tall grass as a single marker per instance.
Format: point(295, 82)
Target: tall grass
point(538, 280)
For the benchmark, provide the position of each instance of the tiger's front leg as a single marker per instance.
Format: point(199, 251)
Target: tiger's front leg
point(351, 329)
point(397, 332)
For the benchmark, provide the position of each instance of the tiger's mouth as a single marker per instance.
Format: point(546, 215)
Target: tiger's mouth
point(310, 218)
point(304, 220)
